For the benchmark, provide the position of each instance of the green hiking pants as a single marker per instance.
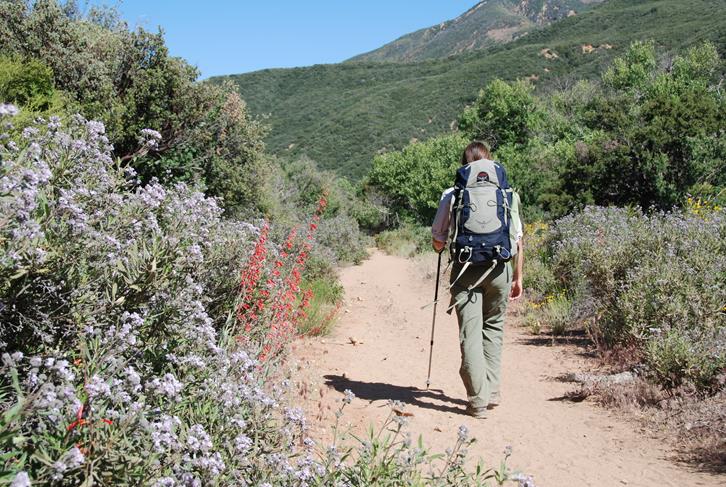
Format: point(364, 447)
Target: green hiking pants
point(481, 328)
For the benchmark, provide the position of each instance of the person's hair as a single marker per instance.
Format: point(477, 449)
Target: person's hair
point(474, 152)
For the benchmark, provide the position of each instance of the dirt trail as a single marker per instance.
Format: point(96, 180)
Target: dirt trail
point(561, 443)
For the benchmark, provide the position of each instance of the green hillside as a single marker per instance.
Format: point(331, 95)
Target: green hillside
point(487, 23)
point(342, 114)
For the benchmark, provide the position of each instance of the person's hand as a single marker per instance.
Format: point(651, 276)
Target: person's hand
point(517, 290)
point(438, 246)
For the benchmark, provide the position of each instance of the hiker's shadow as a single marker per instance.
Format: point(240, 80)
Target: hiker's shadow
point(378, 391)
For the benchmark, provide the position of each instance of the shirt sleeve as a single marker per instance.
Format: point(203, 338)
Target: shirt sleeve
point(516, 229)
point(440, 227)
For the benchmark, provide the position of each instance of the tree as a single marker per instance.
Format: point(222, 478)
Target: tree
point(128, 80)
point(649, 121)
point(415, 177)
point(504, 113)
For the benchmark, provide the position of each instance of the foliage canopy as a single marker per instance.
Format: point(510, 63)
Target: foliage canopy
point(647, 136)
point(128, 79)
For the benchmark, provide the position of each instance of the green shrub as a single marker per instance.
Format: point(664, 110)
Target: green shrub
point(365, 205)
point(664, 122)
point(29, 84)
point(296, 188)
point(694, 357)
point(553, 312)
point(534, 171)
point(646, 136)
point(634, 70)
point(533, 321)
point(539, 279)
point(558, 314)
point(26, 83)
point(322, 312)
point(413, 179)
point(503, 114)
point(128, 79)
point(406, 241)
point(651, 283)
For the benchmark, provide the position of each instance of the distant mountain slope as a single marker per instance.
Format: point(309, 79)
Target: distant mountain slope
point(489, 22)
point(342, 114)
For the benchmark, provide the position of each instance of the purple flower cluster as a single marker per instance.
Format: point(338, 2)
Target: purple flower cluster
point(68, 462)
point(8, 109)
point(149, 138)
point(21, 480)
point(128, 274)
point(653, 281)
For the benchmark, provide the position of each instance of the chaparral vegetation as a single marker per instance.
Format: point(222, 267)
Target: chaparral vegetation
point(140, 328)
point(156, 260)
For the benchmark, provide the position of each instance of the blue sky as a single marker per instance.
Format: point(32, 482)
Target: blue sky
point(226, 36)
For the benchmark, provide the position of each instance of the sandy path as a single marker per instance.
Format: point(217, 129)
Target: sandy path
point(561, 443)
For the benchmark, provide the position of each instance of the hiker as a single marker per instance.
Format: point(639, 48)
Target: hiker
point(480, 219)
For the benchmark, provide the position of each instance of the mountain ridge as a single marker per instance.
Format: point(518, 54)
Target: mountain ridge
point(487, 23)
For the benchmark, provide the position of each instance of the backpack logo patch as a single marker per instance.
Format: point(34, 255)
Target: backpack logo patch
point(482, 177)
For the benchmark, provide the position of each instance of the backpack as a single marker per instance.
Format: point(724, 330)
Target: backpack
point(481, 215)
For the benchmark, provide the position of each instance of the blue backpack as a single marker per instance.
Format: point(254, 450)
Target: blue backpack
point(481, 215)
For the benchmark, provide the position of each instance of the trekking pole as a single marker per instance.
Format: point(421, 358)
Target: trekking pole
point(433, 321)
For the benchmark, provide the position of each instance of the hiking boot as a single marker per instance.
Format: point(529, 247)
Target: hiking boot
point(494, 399)
point(478, 413)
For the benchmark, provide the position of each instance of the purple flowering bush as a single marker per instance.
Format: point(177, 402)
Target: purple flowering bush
point(114, 302)
point(652, 284)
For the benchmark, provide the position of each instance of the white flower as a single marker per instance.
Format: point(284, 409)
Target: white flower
point(70, 461)
point(30, 132)
point(198, 439)
point(163, 435)
point(463, 433)
point(8, 109)
point(295, 415)
point(524, 480)
point(150, 138)
point(349, 396)
point(243, 443)
point(212, 464)
point(167, 386)
point(74, 458)
point(95, 127)
point(97, 387)
point(21, 480)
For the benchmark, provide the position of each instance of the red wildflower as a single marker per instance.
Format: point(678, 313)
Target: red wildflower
point(271, 302)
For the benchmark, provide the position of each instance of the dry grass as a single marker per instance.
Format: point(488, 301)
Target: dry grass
point(695, 425)
point(426, 265)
